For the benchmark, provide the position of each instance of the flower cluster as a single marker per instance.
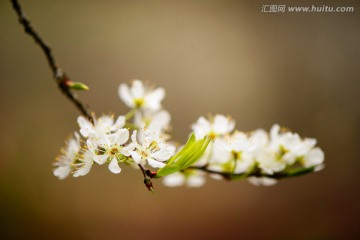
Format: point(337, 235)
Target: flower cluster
point(141, 139)
point(106, 141)
point(259, 156)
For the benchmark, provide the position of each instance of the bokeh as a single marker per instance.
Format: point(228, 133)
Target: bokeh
point(301, 70)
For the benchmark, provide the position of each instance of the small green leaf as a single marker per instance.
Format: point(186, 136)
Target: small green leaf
point(299, 171)
point(187, 156)
point(77, 86)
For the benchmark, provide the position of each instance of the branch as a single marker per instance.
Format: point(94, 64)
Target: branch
point(147, 177)
point(60, 77)
point(236, 176)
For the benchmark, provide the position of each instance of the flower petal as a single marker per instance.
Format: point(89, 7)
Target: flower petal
point(155, 164)
point(154, 98)
point(120, 122)
point(82, 171)
point(136, 157)
point(195, 181)
point(163, 154)
point(222, 124)
point(128, 149)
point(264, 181)
point(114, 166)
point(133, 136)
point(62, 172)
point(174, 180)
point(125, 95)
point(137, 89)
point(85, 126)
point(314, 157)
point(100, 159)
point(201, 128)
point(160, 121)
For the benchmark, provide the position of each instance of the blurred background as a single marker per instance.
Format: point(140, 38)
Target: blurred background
point(300, 70)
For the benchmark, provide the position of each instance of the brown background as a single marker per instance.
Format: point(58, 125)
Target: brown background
point(297, 69)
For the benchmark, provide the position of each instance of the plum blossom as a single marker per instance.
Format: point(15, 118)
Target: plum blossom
point(285, 149)
point(104, 124)
point(259, 156)
point(218, 126)
point(83, 164)
point(262, 181)
point(190, 178)
point(110, 147)
point(137, 96)
point(68, 157)
point(150, 148)
point(233, 153)
point(157, 121)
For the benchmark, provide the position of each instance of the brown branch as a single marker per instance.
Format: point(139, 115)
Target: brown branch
point(147, 177)
point(60, 77)
point(234, 176)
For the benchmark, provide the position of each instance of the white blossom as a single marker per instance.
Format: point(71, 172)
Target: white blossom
point(315, 157)
point(104, 124)
point(110, 147)
point(83, 164)
point(219, 125)
point(285, 149)
point(137, 96)
point(233, 154)
point(190, 178)
point(157, 121)
point(66, 159)
point(262, 181)
point(150, 148)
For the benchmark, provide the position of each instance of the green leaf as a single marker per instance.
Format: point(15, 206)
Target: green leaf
point(300, 171)
point(187, 156)
point(77, 86)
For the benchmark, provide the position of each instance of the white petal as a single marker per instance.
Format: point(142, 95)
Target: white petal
point(222, 124)
point(133, 136)
point(102, 140)
point(160, 121)
point(100, 159)
point(119, 138)
point(174, 180)
point(163, 154)
point(289, 158)
point(315, 157)
point(137, 89)
point(120, 122)
point(105, 122)
point(91, 143)
point(195, 181)
point(85, 126)
point(319, 167)
point(85, 169)
point(62, 172)
point(201, 128)
point(136, 157)
point(262, 181)
point(274, 132)
point(155, 164)
point(114, 166)
point(306, 145)
point(123, 136)
point(154, 98)
point(128, 149)
point(239, 142)
point(125, 95)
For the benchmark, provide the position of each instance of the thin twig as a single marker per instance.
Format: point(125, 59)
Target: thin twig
point(234, 176)
point(61, 78)
point(147, 177)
